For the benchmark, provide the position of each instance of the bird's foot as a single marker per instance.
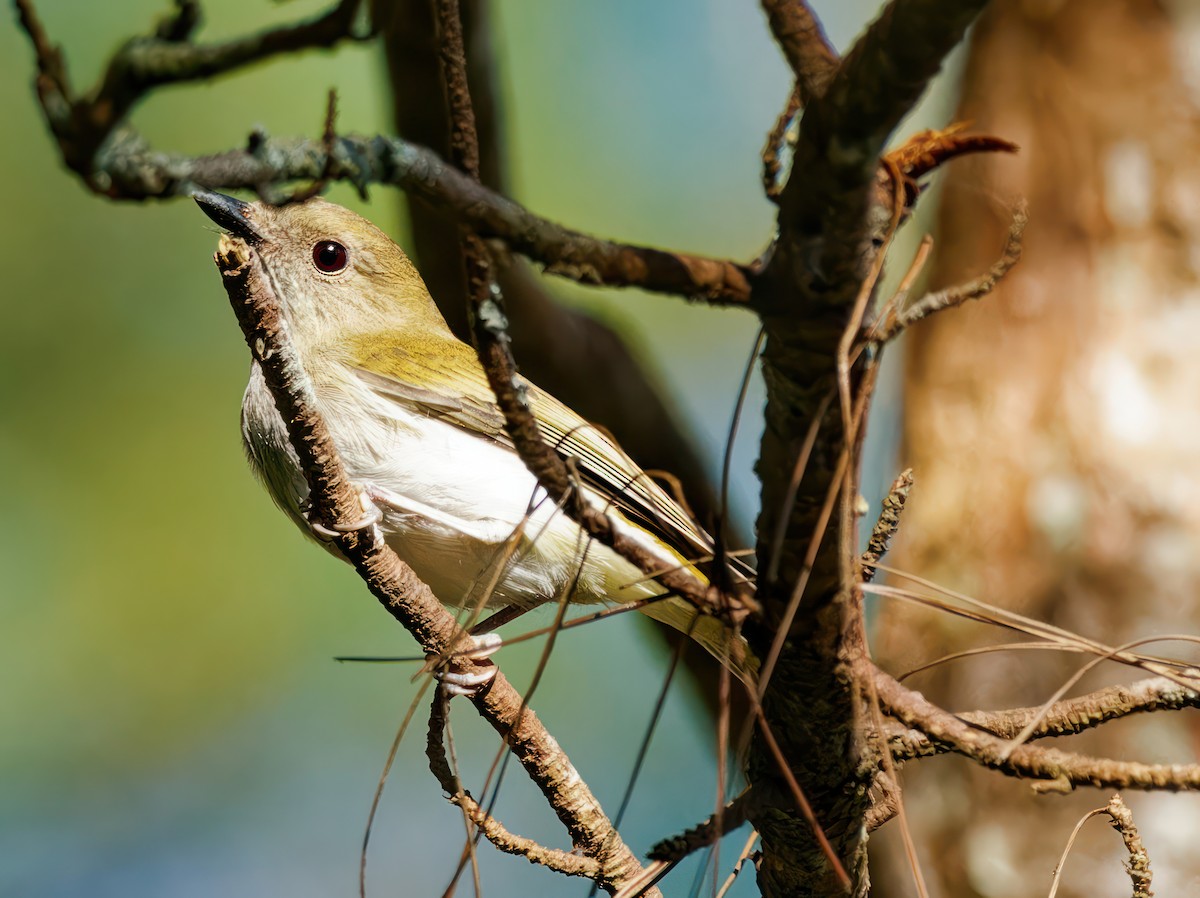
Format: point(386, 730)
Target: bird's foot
point(370, 517)
point(469, 683)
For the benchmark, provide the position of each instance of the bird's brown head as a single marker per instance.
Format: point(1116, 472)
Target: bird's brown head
point(333, 272)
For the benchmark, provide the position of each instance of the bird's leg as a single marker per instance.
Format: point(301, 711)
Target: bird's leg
point(498, 619)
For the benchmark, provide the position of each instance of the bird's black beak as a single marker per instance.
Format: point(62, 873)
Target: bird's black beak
point(230, 213)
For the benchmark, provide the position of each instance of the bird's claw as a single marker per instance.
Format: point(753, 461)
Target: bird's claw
point(370, 517)
point(469, 683)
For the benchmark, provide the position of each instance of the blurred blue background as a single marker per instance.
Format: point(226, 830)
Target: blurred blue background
point(171, 719)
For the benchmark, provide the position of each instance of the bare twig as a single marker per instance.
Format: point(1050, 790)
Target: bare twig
point(703, 834)
point(1139, 861)
point(1057, 771)
point(1121, 817)
point(328, 144)
point(926, 150)
point(489, 328)
point(134, 171)
point(773, 148)
point(888, 523)
point(83, 124)
point(1064, 718)
point(886, 801)
point(956, 296)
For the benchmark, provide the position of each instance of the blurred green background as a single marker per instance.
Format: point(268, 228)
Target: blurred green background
point(171, 719)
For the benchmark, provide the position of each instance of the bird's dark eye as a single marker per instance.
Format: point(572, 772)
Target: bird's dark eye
point(330, 257)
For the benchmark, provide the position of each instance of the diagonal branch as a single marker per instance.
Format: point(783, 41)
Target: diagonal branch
point(803, 42)
point(490, 331)
point(335, 504)
point(145, 63)
point(954, 296)
point(132, 170)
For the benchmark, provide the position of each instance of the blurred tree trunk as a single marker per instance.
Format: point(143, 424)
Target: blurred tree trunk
point(561, 348)
point(1054, 428)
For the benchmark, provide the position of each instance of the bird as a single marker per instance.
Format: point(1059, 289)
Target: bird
point(410, 410)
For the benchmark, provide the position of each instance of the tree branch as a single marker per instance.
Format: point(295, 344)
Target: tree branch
point(490, 330)
point(887, 524)
point(560, 861)
point(1138, 867)
point(84, 124)
point(824, 224)
point(1064, 718)
point(800, 36)
point(703, 834)
point(335, 503)
point(951, 297)
point(1058, 771)
point(115, 160)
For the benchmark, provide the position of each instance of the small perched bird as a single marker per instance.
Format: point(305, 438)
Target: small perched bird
point(411, 412)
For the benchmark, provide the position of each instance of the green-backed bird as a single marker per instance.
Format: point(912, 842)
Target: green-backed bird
point(415, 421)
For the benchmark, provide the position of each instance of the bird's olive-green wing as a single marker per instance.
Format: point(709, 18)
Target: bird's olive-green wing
point(442, 378)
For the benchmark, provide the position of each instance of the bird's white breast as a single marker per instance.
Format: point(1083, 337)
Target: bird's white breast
point(460, 509)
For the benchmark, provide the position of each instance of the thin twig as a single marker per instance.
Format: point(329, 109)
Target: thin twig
point(1064, 718)
point(1056, 771)
point(1139, 860)
point(676, 848)
point(1121, 817)
point(957, 295)
point(328, 144)
point(777, 138)
point(84, 124)
point(888, 523)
